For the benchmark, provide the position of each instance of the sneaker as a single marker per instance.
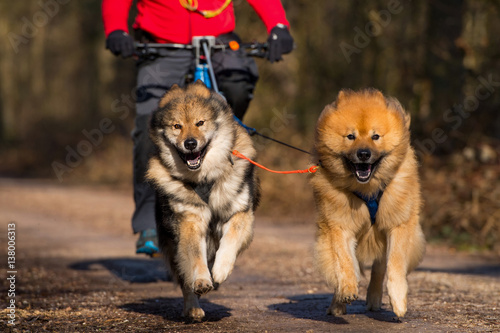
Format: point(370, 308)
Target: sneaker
point(148, 243)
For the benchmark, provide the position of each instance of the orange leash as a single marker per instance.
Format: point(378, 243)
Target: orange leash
point(312, 169)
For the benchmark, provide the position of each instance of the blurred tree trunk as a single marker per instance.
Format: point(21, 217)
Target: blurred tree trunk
point(7, 86)
point(444, 59)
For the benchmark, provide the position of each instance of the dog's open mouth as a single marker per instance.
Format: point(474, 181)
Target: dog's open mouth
point(193, 160)
point(363, 171)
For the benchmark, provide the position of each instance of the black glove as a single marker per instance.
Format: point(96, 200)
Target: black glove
point(279, 42)
point(120, 42)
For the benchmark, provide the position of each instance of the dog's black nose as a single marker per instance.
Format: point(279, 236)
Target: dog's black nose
point(190, 144)
point(364, 154)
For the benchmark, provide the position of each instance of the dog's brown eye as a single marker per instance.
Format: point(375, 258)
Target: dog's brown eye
point(375, 137)
point(177, 126)
point(200, 123)
point(351, 137)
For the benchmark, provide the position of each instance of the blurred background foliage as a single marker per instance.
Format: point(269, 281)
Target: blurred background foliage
point(440, 58)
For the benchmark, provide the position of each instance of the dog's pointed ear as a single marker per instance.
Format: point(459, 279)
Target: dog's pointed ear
point(342, 95)
point(394, 104)
point(379, 94)
point(171, 93)
point(199, 88)
point(200, 82)
point(407, 119)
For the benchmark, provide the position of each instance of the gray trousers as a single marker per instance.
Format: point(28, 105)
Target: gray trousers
point(236, 75)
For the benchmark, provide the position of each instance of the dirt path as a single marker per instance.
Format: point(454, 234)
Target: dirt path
point(77, 271)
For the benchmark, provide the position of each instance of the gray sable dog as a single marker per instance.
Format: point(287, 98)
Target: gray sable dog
point(205, 200)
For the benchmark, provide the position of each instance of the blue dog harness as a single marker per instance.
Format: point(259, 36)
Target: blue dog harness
point(371, 202)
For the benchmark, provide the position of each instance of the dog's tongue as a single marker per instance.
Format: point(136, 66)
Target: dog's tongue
point(363, 170)
point(193, 159)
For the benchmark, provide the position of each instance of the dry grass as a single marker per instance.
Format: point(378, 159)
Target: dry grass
point(462, 201)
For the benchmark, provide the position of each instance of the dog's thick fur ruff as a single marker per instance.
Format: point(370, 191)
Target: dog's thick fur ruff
point(363, 144)
point(205, 199)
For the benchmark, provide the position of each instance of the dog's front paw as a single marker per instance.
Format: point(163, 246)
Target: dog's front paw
point(348, 299)
point(222, 270)
point(399, 307)
point(202, 286)
point(347, 294)
point(336, 309)
point(194, 314)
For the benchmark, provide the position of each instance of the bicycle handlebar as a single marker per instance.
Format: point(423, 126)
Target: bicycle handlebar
point(254, 49)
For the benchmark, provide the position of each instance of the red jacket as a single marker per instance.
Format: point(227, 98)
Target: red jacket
point(169, 22)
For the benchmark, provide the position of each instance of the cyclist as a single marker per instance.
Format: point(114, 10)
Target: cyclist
point(178, 21)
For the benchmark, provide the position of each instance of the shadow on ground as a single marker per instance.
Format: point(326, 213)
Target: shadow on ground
point(314, 307)
point(171, 309)
point(127, 269)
